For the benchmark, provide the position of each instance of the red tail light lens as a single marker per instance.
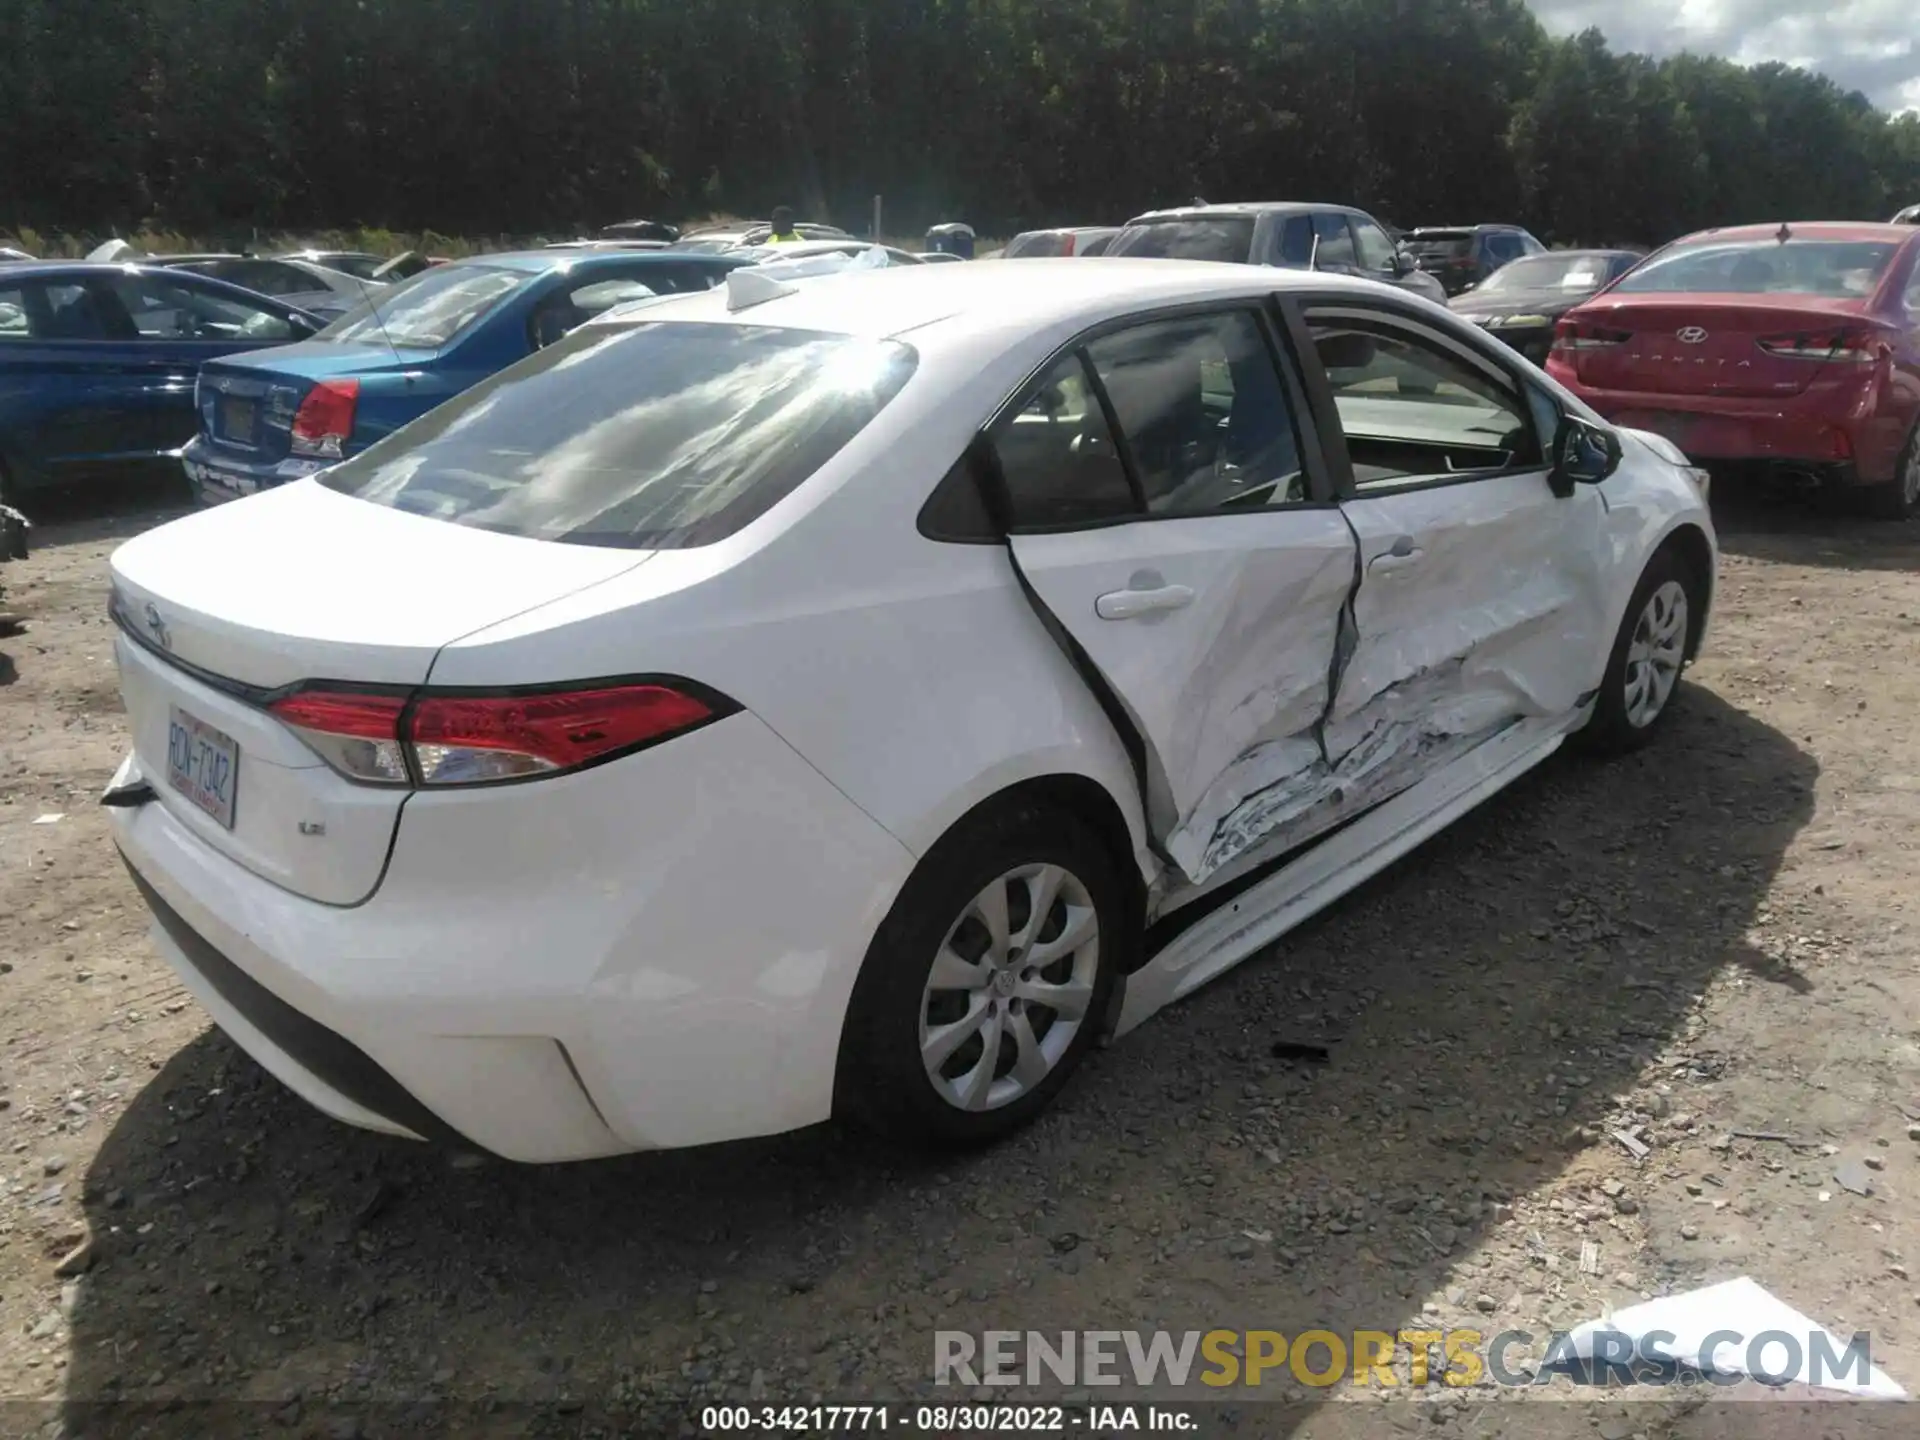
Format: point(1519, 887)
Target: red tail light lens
point(1576, 335)
point(1846, 347)
point(357, 734)
point(463, 741)
point(439, 738)
point(325, 418)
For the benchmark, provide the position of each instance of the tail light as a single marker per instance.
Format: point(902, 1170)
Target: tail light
point(453, 737)
point(325, 418)
point(1575, 335)
point(1846, 347)
point(1069, 241)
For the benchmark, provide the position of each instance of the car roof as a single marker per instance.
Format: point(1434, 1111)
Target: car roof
point(963, 299)
point(1464, 229)
point(1598, 252)
point(1251, 207)
point(1807, 229)
point(100, 267)
point(538, 262)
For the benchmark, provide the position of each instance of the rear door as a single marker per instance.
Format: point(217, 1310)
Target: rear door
point(1171, 514)
point(169, 325)
point(74, 382)
point(1481, 599)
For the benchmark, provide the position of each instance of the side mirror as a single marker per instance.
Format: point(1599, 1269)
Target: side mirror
point(1402, 263)
point(1585, 453)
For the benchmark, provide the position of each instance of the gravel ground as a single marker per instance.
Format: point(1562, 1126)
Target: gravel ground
point(1712, 937)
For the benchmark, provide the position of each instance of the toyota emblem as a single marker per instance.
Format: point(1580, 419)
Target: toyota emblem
point(1690, 335)
point(158, 627)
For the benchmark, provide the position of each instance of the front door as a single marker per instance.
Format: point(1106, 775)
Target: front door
point(1173, 516)
point(1480, 601)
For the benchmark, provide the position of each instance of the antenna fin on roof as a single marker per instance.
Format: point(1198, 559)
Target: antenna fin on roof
point(1784, 233)
point(747, 287)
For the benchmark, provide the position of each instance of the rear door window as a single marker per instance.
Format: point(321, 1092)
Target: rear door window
point(1296, 241)
point(1336, 243)
point(264, 277)
point(1204, 414)
point(169, 309)
point(15, 322)
point(638, 435)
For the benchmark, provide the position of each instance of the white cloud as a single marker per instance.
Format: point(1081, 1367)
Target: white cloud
point(1865, 45)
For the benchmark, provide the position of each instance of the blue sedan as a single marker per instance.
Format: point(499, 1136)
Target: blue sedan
point(98, 362)
point(269, 419)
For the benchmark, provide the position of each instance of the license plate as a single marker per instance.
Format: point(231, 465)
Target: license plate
point(203, 764)
point(236, 418)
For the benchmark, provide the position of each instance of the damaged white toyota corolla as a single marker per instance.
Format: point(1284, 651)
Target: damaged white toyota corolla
point(807, 698)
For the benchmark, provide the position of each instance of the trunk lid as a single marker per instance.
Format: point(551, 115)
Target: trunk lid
point(223, 608)
point(1706, 344)
point(247, 402)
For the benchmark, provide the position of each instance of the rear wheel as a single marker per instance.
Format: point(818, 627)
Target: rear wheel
point(1643, 670)
point(986, 983)
point(1898, 498)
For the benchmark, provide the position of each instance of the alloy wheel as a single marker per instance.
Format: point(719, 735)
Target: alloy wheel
point(1011, 986)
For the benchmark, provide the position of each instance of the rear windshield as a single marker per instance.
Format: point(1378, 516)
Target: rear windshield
point(1439, 244)
point(1214, 237)
point(1833, 269)
point(1575, 274)
point(1036, 245)
point(647, 436)
point(430, 310)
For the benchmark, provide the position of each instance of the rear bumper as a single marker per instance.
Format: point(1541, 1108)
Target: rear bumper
point(218, 475)
point(1842, 435)
point(655, 953)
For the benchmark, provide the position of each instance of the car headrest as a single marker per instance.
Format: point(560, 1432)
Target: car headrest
point(1345, 350)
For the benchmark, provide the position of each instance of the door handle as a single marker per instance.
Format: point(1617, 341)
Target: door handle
point(1129, 604)
point(1396, 560)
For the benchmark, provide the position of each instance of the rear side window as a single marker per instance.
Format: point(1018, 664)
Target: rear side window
point(1203, 237)
point(645, 436)
point(431, 310)
point(1057, 454)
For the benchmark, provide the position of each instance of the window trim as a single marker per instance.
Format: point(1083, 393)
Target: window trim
point(1320, 488)
point(1388, 313)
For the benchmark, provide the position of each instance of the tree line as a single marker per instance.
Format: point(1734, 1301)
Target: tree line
point(523, 116)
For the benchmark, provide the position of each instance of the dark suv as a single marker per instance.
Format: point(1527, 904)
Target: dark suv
point(1333, 238)
point(1462, 255)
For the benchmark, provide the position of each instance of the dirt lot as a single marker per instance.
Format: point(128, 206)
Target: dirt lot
point(1715, 936)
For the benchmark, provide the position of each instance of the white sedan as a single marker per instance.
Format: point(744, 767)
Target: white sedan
point(805, 699)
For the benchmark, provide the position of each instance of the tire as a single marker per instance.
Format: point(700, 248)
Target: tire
point(1898, 498)
point(884, 1081)
point(1628, 714)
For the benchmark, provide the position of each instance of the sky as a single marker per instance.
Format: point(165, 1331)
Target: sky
point(1868, 45)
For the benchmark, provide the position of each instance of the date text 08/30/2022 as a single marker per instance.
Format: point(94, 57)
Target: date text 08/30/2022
point(946, 1419)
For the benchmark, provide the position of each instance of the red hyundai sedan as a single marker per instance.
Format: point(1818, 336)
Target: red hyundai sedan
point(1789, 348)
